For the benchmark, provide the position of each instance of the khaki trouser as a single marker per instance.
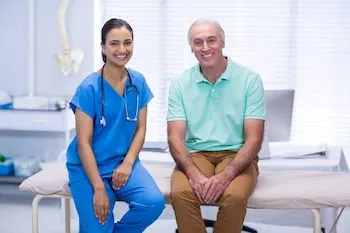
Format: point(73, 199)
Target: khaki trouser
point(232, 204)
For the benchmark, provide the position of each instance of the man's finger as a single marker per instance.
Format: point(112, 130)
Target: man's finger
point(199, 196)
point(210, 193)
point(212, 196)
point(206, 188)
point(216, 197)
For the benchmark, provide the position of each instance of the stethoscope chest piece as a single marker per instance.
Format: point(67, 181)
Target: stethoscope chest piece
point(103, 121)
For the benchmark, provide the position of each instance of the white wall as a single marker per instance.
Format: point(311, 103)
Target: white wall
point(49, 81)
point(14, 45)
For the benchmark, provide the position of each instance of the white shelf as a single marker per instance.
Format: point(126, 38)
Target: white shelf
point(51, 121)
point(41, 120)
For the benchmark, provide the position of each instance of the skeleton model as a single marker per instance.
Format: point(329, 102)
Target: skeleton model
point(70, 59)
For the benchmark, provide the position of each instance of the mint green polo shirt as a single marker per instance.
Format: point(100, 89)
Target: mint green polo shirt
point(215, 113)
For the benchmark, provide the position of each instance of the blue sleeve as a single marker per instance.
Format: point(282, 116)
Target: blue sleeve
point(176, 110)
point(84, 100)
point(145, 96)
point(255, 103)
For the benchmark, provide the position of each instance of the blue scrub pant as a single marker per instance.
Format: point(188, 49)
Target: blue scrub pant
point(143, 196)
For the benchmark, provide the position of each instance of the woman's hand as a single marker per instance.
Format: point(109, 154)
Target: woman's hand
point(101, 204)
point(121, 175)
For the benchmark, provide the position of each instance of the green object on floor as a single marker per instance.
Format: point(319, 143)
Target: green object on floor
point(2, 158)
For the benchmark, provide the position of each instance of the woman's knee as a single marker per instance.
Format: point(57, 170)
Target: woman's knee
point(153, 203)
point(158, 203)
point(96, 226)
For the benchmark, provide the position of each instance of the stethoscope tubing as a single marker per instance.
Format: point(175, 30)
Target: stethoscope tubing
point(103, 120)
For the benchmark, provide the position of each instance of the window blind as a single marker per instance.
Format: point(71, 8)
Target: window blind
point(322, 105)
point(300, 44)
point(145, 19)
point(257, 35)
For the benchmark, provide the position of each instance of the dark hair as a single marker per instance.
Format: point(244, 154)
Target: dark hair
point(111, 24)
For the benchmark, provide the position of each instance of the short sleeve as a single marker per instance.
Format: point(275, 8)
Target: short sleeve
point(176, 109)
point(255, 104)
point(146, 95)
point(84, 100)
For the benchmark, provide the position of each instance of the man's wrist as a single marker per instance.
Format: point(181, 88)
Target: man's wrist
point(192, 171)
point(229, 172)
point(190, 174)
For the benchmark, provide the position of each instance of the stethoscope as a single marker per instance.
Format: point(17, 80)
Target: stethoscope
point(103, 121)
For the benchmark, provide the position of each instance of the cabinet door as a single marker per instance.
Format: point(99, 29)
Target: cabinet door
point(57, 121)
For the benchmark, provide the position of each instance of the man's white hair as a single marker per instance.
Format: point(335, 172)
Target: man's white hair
point(205, 21)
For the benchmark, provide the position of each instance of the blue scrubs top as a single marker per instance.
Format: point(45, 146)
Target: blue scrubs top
point(111, 143)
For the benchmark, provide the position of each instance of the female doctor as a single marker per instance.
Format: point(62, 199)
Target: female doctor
point(110, 108)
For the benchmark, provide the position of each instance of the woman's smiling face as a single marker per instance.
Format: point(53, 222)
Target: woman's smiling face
point(119, 46)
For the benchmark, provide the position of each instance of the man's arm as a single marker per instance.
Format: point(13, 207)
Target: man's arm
point(254, 131)
point(253, 127)
point(176, 141)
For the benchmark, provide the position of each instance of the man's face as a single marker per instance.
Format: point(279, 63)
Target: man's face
point(207, 45)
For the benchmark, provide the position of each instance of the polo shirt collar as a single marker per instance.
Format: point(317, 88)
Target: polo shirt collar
point(224, 76)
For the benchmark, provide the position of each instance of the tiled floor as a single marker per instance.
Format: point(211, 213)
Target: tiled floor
point(15, 217)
